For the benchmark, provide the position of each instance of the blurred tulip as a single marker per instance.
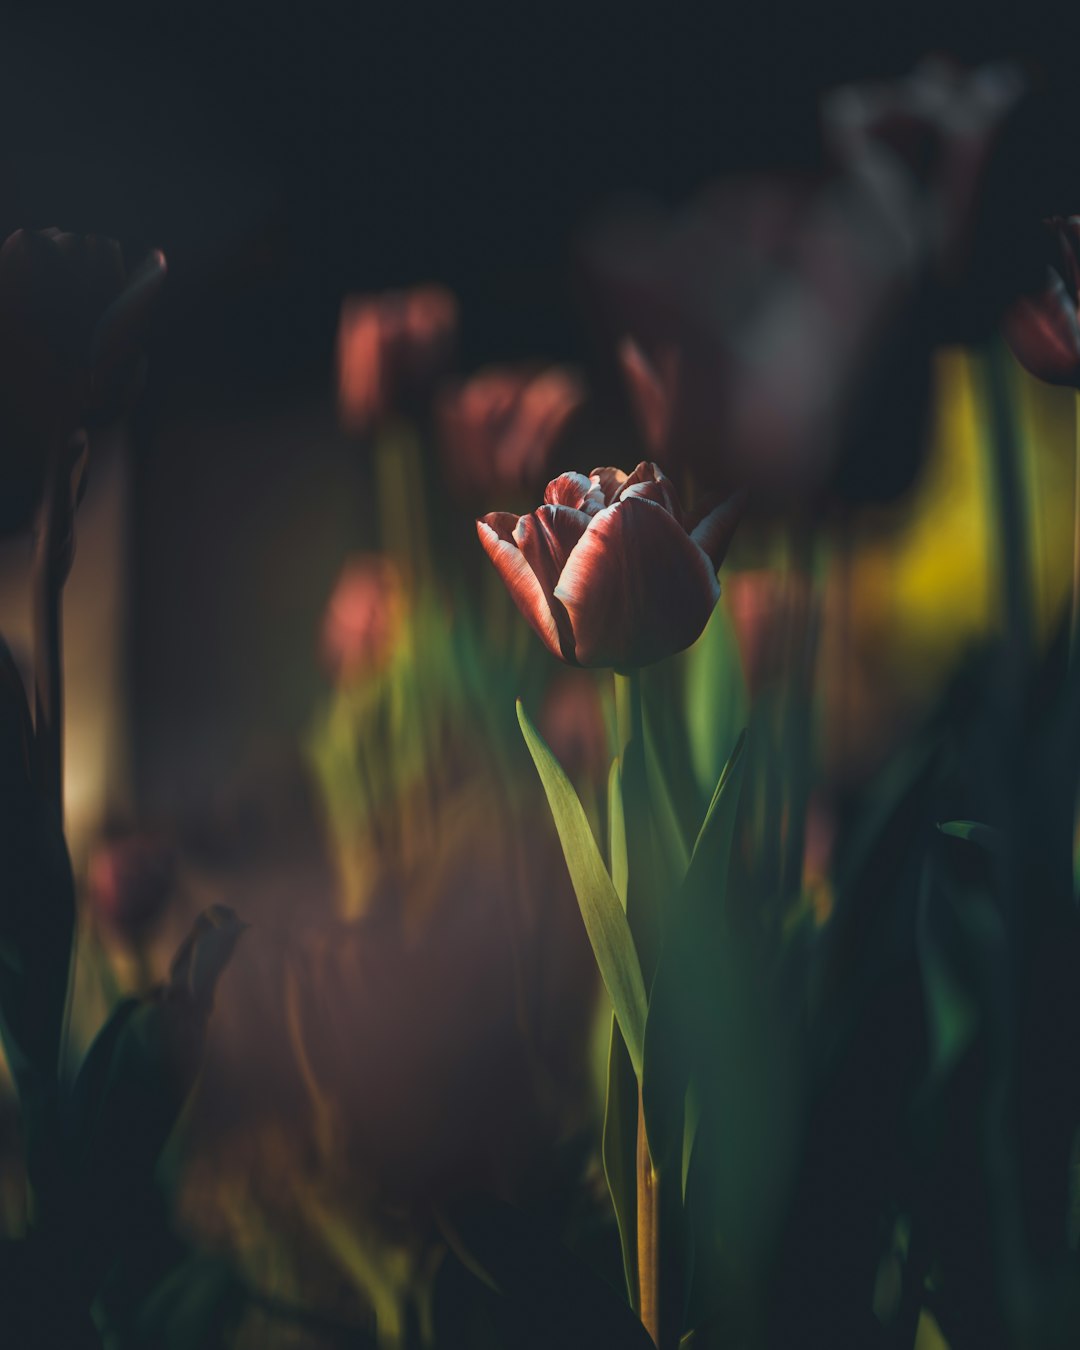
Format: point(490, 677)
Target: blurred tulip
point(653, 390)
point(791, 308)
point(363, 618)
point(130, 880)
point(952, 130)
point(766, 607)
point(607, 570)
point(803, 310)
point(499, 428)
point(572, 723)
point(71, 324)
point(1043, 329)
point(390, 349)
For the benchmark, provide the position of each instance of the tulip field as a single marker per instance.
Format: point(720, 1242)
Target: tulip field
point(662, 928)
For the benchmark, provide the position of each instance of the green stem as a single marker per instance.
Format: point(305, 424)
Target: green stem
point(630, 724)
point(628, 714)
point(799, 671)
point(1009, 493)
point(399, 487)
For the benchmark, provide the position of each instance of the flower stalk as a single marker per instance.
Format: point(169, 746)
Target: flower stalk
point(630, 724)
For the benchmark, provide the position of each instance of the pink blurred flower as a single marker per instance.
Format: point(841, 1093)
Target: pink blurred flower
point(766, 607)
point(391, 347)
point(499, 428)
point(1043, 329)
point(363, 617)
point(608, 570)
point(653, 390)
point(129, 882)
point(572, 723)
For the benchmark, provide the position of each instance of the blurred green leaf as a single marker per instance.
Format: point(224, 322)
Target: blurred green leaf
point(601, 908)
point(716, 702)
point(620, 1152)
point(617, 831)
point(983, 835)
point(695, 931)
point(648, 884)
point(132, 1087)
point(672, 846)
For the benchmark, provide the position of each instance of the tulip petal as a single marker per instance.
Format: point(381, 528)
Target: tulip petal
point(636, 587)
point(546, 539)
point(609, 481)
point(496, 534)
point(576, 491)
point(650, 482)
point(715, 530)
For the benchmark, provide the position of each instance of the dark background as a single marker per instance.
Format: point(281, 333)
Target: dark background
point(281, 155)
point(285, 155)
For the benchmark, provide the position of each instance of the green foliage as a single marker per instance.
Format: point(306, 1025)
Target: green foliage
point(601, 908)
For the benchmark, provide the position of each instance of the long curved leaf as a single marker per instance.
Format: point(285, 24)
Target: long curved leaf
point(601, 909)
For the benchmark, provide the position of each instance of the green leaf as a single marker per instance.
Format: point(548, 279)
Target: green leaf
point(601, 909)
point(665, 819)
point(976, 833)
point(691, 1119)
point(133, 1085)
point(617, 831)
point(37, 912)
point(695, 931)
point(647, 884)
point(620, 1152)
point(716, 702)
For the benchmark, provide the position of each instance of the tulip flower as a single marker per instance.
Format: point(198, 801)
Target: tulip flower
point(390, 349)
point(498, 430)
point(363, 618)
point(71, 324)
point(130, 880)
point(609, 571)
point(1043, 329)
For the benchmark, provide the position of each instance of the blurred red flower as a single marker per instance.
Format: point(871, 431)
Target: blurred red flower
point(363, 617)
point(71, 324)
point(802, 310)
point(1043, 329)
point(130, 880)
point(572, 723)
point(608, 570)
point(499, 428)
point(390, 349)
point(653, 389)
point(766, 609)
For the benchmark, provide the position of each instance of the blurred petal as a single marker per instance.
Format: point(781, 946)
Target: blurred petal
point(714, 531)
point(650, 397)
point(496, 535)
point(1043, 329)
point(636, 587)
